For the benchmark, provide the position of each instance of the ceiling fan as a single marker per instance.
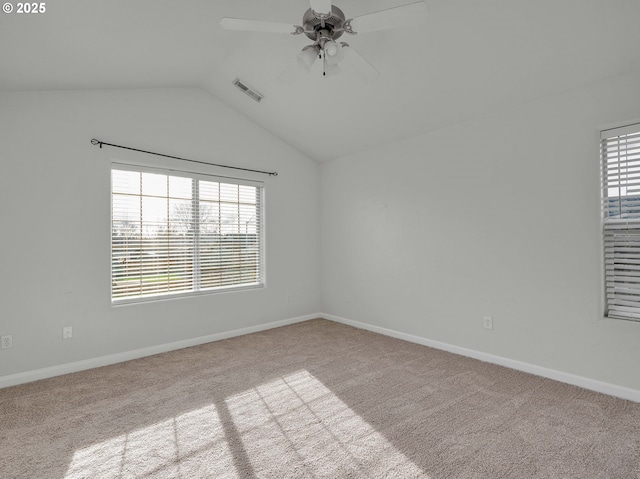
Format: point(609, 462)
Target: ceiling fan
point(325, 24)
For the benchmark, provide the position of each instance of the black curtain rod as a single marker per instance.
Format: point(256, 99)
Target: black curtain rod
point(100, 143)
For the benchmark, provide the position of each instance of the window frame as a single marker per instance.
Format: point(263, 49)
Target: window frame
point(194, 176)
point(624, 225)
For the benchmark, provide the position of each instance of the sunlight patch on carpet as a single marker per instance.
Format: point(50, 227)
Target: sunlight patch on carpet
point(294, 424)
point(189, 445)
point(297, 421)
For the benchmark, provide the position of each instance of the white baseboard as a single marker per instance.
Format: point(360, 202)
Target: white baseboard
point(49, 372)
point(587, 383)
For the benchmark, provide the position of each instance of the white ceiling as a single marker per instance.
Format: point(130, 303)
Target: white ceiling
point(470, 58)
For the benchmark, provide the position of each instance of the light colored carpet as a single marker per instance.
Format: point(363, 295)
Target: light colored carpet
point(319, 400)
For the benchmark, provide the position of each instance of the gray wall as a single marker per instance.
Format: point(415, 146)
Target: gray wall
point(54, 245)
point(497, 216)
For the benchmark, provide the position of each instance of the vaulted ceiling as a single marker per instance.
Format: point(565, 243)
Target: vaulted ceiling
point(470, 58)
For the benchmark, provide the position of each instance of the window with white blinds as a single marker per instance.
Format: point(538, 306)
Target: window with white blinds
point(620, 153)
point(180, 233)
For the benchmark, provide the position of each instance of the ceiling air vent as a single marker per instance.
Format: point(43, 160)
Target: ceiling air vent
point(249, 91)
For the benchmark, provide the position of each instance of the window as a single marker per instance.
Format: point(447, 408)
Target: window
point(178, 233)
point(620, 153)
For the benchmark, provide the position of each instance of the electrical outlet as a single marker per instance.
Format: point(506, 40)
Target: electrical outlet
point(67, 332)
point(487, 322)
point(6, 342)
point(288, 298)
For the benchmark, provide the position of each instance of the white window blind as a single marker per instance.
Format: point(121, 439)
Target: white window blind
point(620, 153)
point(179, 233)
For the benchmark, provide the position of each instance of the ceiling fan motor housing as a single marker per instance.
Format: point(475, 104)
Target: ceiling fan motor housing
point(312, 23)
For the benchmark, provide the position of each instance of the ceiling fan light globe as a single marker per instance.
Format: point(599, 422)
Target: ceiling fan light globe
point(331, 70)
point(307, 57)
point(333, 52)
point(331, 49)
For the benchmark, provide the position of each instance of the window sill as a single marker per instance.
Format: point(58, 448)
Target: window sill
point(184, 294)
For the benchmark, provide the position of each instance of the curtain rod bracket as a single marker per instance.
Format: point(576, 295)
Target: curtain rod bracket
point(100, 143)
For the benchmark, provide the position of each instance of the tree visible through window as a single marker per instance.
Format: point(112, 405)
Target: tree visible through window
point(177, 233)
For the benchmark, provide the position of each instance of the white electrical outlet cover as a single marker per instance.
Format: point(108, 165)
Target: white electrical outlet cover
point(6, 342)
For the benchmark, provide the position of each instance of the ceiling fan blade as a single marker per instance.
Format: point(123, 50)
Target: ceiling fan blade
point(321, 6)
point(410, 14)
point(257, 26)
point(355, 63)
point(291, 73)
